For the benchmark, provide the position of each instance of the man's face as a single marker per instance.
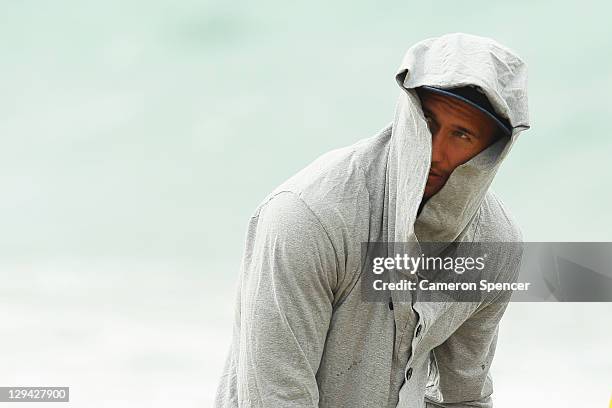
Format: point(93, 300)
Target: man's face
point(459, 132)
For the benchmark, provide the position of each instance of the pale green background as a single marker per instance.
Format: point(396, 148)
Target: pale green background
point(138, 137)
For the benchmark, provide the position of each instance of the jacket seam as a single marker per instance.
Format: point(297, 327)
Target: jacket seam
point(299, 197)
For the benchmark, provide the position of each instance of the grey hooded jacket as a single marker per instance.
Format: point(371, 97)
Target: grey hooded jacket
point(303, 335)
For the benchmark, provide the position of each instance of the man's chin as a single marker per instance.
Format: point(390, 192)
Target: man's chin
point(431, 190)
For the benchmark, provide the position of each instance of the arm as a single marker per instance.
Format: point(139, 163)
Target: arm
point(288, 273)
point(460, 366)
point(459, 375)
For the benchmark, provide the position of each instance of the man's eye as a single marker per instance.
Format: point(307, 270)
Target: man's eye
point(463, 135)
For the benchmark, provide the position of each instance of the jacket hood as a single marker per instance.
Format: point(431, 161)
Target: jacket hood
point(449, 61)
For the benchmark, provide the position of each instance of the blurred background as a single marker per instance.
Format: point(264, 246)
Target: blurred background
point(138, 137)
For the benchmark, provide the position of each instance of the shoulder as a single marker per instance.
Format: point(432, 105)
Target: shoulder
point(338, 187)
point(285, 214)
point(496, 225)
point(495, 222)
point(286, 229)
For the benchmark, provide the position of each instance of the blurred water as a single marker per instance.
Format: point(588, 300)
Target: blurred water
point(118, 332)
point(137, 138)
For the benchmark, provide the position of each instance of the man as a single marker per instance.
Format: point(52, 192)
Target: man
point(462, 124)
point(304, 336)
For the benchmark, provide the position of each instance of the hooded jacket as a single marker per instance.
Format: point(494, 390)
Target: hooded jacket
point(303, 336)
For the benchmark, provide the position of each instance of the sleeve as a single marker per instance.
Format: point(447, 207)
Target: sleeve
point(460, 367)
point(286, 294)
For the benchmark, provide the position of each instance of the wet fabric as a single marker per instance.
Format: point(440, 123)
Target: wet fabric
point(303, 336)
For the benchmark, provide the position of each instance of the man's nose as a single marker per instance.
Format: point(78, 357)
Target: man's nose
point(438, 147)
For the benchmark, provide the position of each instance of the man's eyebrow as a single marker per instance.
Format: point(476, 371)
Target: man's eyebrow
point(470, 132)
